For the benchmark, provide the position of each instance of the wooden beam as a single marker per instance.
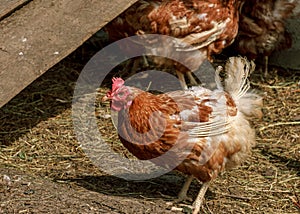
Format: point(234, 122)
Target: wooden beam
point(9, 6)
point(43, 32)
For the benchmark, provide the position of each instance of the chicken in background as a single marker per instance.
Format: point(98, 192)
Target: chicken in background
point(209, 131)
point(202, 27)
point(262, 28)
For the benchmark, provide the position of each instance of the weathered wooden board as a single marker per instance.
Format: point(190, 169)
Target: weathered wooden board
point(43, 32)
point(8, 6)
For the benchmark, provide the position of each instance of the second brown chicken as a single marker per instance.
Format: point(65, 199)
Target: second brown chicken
point(202, 27)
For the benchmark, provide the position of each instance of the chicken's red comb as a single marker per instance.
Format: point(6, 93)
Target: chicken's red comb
point(117, 83)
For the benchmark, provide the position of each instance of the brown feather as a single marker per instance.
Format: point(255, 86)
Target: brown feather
point(205, 25)
point(185, 120)
point(262, 27)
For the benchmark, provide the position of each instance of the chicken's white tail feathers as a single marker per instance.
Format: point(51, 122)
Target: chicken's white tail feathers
point(237, 71)
point(237, 85)
point(250, 105)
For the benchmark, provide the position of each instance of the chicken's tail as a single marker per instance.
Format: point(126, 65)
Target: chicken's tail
point(237, 85)
point(237, 71)
point(283, 9)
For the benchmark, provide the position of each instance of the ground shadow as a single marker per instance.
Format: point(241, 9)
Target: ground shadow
point(165, 187)
point(288, 162)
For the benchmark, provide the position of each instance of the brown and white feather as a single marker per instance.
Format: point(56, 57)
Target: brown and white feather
point(210, 129)
point(262, 27)
point(207, 26)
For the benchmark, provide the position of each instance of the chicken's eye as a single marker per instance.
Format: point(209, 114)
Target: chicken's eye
point(121, 95)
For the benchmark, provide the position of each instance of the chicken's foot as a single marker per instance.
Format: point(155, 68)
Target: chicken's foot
point(199, 200)
point(182, 196)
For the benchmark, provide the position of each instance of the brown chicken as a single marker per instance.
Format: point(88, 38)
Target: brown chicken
point(262, 28)
point(207, 131)
point(205, 25)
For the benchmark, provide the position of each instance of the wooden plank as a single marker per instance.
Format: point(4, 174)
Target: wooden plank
point(8, 6)
point(43, 32)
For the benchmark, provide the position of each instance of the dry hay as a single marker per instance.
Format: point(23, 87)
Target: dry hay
point(37, 138)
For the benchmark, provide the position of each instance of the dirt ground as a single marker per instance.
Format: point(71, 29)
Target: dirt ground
point(44, 170)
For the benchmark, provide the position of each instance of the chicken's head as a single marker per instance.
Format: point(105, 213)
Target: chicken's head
point(118, 95)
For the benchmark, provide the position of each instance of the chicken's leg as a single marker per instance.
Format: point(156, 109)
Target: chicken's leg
point(181, 79)
point(191, 78)
point(183, 192)
point(266, 60)
point(135, 66)
point(199, 200)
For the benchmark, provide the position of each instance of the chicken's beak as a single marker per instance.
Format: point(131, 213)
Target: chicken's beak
point(105, 99)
